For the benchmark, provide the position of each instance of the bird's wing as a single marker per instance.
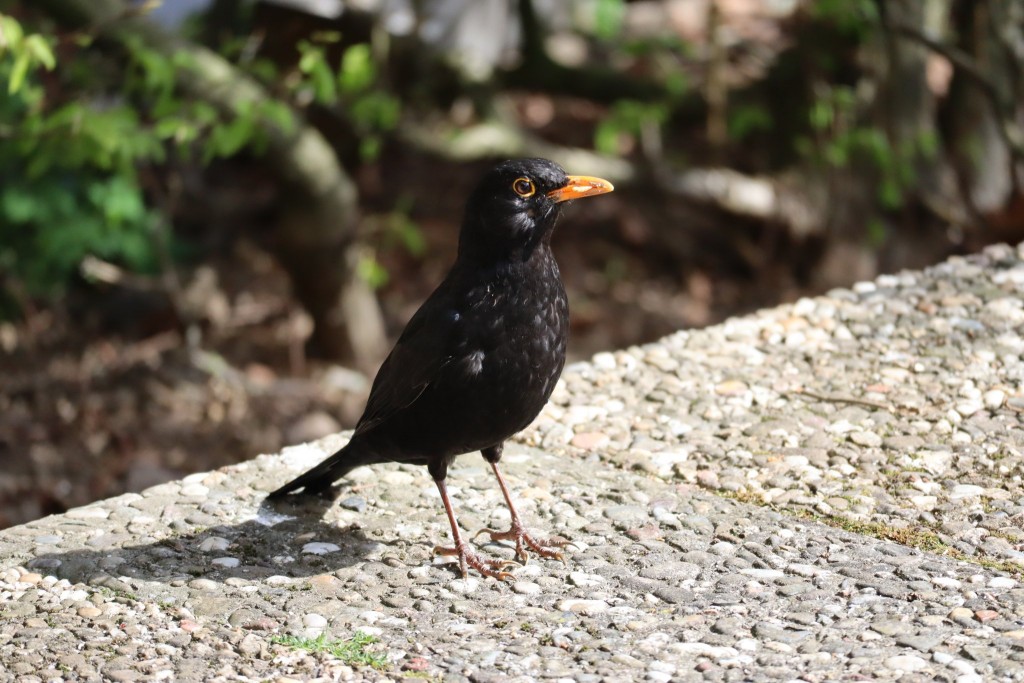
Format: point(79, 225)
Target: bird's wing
point(427, 344)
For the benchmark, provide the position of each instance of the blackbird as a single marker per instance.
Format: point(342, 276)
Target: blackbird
point(481, 356)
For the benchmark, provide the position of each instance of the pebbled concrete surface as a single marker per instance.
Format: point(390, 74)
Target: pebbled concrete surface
point(711, 484)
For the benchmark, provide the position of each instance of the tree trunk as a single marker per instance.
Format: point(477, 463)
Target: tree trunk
point(984, 110)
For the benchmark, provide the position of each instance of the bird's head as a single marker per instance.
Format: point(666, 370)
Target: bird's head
point(516, 205)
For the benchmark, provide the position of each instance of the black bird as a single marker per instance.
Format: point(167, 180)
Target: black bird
point(481, 356)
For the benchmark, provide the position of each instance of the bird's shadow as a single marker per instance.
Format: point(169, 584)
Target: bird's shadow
point(282, 540)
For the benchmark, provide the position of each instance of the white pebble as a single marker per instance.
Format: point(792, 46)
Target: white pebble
point(969, 407)
point(313, 620)
point(840, 427)
point(763, 574)
point(320, 548)
point(464, 586)
point(586, 607)
point(277, 580)
point(371, 616)
point(526, 588)
point(924, 502)
point(994, 398)
point(373, 631)
point(584, 580)
point(88, 513)
point(966, 491)
point(802, 569)
point(703, 650)
point(212, 543)
point(905, 663)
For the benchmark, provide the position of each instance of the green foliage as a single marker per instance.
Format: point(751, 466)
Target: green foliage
point(372, 271)
point(399, 230)
point(628, 118)
point(608, 17)
point(877, 232)
point(354, 650)
point(67, 173)
point(853, 17)
point(78, 135)
point(353, 87)
point(69, 151)
point(26, 52)
point(747, 119)
point(320, 80)
point(49, 223)
point(195, 127)
point(393, 230)
point(657, 45)
point(841, 141)
point(357, 72)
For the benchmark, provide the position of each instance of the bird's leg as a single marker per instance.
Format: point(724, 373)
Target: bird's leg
point(467, 557)
point(516, 532)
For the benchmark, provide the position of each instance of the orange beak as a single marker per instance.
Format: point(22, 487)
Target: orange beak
point(580, 186)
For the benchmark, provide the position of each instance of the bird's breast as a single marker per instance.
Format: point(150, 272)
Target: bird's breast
point(513, 331)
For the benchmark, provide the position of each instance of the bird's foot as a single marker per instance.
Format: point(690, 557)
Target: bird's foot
point(548, 547)
point(467, 558)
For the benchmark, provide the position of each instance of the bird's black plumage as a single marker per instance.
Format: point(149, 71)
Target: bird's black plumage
point(481, 356)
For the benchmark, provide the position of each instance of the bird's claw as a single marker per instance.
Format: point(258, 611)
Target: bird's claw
point(545, 548)
point(488, 568)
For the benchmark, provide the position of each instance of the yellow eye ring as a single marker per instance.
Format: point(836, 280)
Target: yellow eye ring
point(523, 187)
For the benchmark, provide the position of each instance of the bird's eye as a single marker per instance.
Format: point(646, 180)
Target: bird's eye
point(524, 187)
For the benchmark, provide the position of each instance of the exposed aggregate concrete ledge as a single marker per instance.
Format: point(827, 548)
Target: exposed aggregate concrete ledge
point(893, 409)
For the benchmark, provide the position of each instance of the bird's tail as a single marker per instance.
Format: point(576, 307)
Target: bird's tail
point(320, 478)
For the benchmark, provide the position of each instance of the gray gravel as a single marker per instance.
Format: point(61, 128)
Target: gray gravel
point(893, 410)
point(899, 403)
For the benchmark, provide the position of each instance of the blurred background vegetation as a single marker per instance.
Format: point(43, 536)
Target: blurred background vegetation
point(215, 215)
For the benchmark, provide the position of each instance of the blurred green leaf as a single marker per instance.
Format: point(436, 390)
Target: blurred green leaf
point(851, 16)
point(877, 232)
point(313, 64)
point(227, 139)
point(821, 115)
point(372, 272)
point(40, 50)
point(627, 118)
point(608, 17)
point(326, 37)
point(11, 33)
point(407, 232)
point(369, 148)
point(606, 137)
point(890, 196)
point(676, 83)
point(18, 72)
point(928, 143)
point(747, 119)
point(837, 153)
point(357, 72)
point(376, 110)
point(279, 114)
